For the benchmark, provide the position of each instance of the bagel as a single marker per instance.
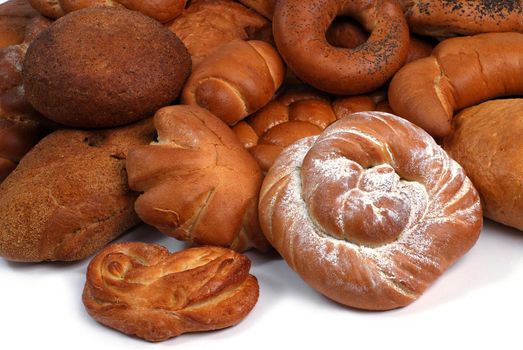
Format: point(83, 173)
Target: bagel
point(299, 31)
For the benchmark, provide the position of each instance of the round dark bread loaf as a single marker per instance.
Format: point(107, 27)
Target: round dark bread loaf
point(103, 67)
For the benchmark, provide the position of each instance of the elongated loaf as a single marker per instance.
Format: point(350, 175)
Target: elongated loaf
point(460, 73)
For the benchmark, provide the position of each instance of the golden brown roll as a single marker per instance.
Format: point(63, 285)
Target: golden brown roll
point(450, 18)
point(90, 69)
point(207, 25)
point(199, 184)
point(160, 10)
point(486, 141)
point(299, 32)
point(296, 114)
point(236, 80)
point(69, 196)
point(461, 72)
point(371, 212)
point(141, 289)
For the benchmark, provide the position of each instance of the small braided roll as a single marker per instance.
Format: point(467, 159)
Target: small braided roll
point(370, 212)
point(141, 289)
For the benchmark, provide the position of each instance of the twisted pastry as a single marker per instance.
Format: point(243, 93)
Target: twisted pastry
point(160, 10)
point(141, 289)
point(200, 185)
point(370, 212)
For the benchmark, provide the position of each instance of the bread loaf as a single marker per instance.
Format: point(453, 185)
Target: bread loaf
point(370, 212)
point(69, 195)
point(160, 10)
point(450, 18)
point(265, 7)
point(206, 25)
point(486, 141)
point(460, 73)
point(236, 80)
point(141, 289)
point(91, 69)
point(199, 184)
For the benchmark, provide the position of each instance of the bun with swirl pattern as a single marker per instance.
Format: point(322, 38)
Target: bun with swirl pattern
point(141, 289)
point(370, 212)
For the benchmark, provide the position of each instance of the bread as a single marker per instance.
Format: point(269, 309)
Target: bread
point(207, 25)
point(18, 134)
point(450, 18)
point(90, 69)
point(371, 212)
point(160, 10)
point(199, 184)
point(236, 80)
point(296, 114)
point(14, 16)
point(299, 32)
point(12, 95)
point(264, 7)
point(69, 197)
point(461, 72)
point(141, 289)
point(486, 141)
point(349, 34)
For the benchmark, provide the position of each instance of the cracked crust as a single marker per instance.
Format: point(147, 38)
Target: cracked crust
point(69, 195)
point(199, 184)
point(142, 290)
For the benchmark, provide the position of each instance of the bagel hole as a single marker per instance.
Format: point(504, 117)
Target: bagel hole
point(346, 32)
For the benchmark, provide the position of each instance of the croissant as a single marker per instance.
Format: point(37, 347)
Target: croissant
point(236, 80)
point(370, 212)
point(199, 184)
point(160, 10)
point(141, 289)
point(461, 72)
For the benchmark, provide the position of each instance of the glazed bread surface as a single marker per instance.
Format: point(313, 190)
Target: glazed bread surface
point(143, 290)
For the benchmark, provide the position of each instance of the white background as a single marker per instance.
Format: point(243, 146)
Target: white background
point(478, 303)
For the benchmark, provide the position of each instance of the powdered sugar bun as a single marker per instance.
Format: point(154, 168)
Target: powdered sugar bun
point(370, 212)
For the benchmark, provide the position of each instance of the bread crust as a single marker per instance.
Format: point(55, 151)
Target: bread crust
point(299, 32)
point(199, 184)
point(370, 212)
point(160, 10)
point(143, 290)
point(460, 72)
point(450, 18)
point(486, 141)
point(69, 196)
point(236, 80)
point(91, 70)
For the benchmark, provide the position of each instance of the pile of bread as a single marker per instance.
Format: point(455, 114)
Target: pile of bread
point(312, 127)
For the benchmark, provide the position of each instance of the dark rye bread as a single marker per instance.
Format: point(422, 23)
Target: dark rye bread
point(104, 67)
point(69, 196)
